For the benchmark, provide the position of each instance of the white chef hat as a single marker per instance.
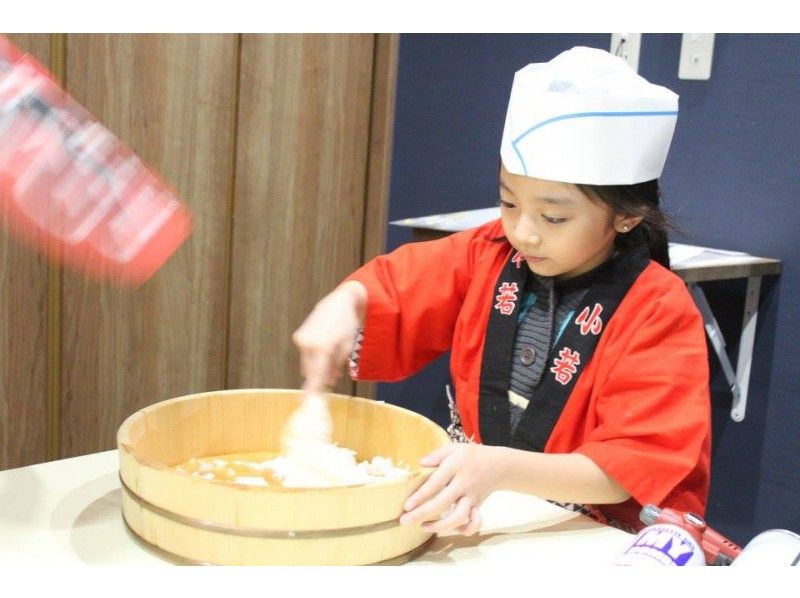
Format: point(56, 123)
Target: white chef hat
point(587, 117)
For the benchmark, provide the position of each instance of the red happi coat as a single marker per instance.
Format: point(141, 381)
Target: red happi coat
point(639, 408)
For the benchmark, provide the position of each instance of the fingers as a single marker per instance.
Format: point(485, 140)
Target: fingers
point(430, 509)
point(432, 486)
point(430, 500)
point(325, 340)
point(433, 459)
point(455, 484)
point(474, 524)
point(459, 516)
point(319, 369)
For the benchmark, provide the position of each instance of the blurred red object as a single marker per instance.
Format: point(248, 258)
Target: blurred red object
point(71, 188)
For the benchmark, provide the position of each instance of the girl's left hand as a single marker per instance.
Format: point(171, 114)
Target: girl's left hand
point(465, 475)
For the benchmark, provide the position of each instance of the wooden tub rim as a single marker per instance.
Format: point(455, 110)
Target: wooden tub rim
point(124, 444)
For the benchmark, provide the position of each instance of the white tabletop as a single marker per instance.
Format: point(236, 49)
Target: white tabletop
point(683, 258)
point(69, 512)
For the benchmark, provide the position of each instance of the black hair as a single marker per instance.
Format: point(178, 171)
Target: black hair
point(640, 199)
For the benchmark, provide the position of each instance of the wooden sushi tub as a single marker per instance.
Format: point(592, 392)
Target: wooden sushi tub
point(208, 521)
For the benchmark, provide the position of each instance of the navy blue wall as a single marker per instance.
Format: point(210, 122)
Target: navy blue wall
point(731, 181)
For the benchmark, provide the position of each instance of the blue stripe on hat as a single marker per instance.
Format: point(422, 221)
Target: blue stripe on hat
point(580, 115)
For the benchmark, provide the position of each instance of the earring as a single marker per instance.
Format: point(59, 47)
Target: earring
point(625, 228)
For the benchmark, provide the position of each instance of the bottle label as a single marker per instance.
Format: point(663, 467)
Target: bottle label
point(71, 188)
point(663, 544)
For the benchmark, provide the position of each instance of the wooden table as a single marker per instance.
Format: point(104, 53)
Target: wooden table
point(693, 264)
point(68, 512)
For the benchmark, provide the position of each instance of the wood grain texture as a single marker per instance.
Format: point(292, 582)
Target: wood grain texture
point(23, 333)
point(379, 167)
point(172, 99)
point(384, 87)
point(232, 524)
point(304, 125)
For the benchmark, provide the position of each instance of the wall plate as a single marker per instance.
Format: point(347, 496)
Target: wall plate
point(627, 47)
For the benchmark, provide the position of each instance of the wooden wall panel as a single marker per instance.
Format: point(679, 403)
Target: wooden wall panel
point(172, 98)
point(281, 146)
point(384, 86)
point(23, 333)
point(379, 165)
point(300, 191)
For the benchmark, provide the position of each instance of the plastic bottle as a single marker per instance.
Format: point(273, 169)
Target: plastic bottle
point(774, 547)
point(71, 188)
point(663, 544)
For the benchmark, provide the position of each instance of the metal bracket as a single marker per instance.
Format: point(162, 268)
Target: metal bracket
point(739, 379)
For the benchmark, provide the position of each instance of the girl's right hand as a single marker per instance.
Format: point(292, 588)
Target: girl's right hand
point(325, 338)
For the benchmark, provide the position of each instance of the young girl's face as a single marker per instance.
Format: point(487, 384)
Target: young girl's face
point(560, 231)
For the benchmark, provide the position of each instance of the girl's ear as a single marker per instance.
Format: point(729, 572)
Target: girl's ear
point(625, 224)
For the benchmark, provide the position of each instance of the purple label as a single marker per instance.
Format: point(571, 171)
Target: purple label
point(667, 545)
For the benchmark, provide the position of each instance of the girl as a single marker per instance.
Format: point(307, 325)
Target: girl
point(578, 359)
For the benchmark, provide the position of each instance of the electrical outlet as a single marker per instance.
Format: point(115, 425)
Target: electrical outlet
point(697, 53)
point(627, 46)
